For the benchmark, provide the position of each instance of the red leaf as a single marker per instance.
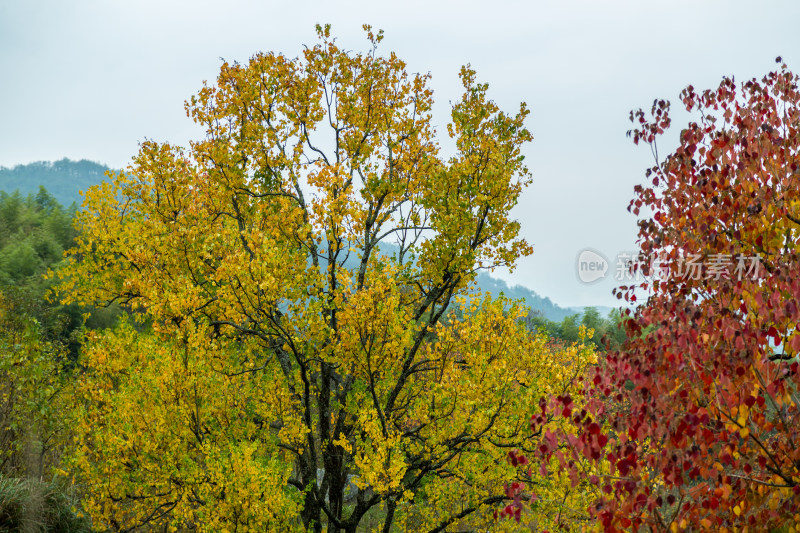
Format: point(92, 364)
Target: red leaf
point(772, 332)
point(795, 344)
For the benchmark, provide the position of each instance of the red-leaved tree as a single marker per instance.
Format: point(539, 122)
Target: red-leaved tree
point(694, 423)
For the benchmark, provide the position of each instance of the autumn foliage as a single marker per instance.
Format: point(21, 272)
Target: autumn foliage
point(694, 424)
point(305, 349)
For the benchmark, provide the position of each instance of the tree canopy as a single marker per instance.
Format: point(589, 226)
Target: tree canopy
point(695, 418)
point(295, 377)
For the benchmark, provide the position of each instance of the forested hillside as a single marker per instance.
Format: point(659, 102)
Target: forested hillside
point(39, 342)
point(63, 178)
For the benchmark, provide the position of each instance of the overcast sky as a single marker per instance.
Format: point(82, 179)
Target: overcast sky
point(91, 79)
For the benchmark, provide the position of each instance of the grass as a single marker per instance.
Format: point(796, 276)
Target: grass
point(32, 506)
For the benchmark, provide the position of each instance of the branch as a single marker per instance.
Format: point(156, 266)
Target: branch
point(488, 501)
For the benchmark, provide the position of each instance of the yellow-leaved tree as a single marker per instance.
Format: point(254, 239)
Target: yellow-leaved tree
point(314, 358)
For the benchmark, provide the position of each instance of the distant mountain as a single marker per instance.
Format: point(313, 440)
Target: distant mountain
point(63, 179)
point(537, 303)
point(494, 286)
